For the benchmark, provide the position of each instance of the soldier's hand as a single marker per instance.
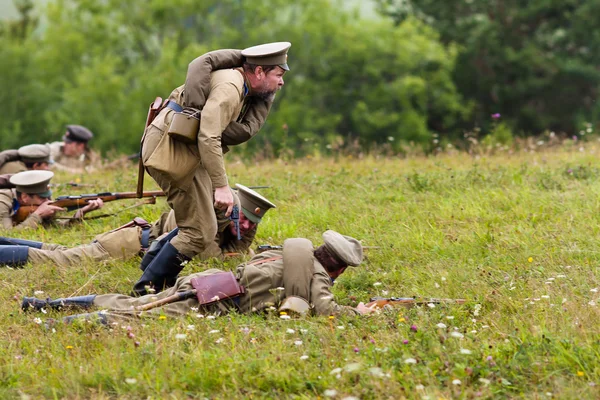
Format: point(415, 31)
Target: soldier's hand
point(46, 210)
point(224, 199)
point(364, 309)
point(92, 205)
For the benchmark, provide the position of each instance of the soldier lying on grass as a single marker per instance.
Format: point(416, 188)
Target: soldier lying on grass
point(133, 239)
point(299, 272)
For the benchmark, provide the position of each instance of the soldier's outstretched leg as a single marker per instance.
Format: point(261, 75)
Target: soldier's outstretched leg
point(162, 271)
point(13, 256)
point(6, 241)
point(32, 303)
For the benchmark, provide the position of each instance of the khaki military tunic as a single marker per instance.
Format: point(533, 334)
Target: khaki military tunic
point(87, 162)
point(13, 167)
point(261, 277)
point(8, 197)
point(189, 173)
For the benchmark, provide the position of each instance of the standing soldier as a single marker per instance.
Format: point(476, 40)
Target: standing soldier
point(182, 149)
point(73, 153)
point(30, 157)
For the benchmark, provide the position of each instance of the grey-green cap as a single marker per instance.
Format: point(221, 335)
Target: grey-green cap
point(268, 54)
point(346, 248)
point(33, 182)
point(77, 133)
point(35, 153)
point(254, 205)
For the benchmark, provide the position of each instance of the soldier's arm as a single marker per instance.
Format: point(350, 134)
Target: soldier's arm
point(6, 204)
point(218, 112)
point(322, 298)
point(197, 80)
point(244, 130)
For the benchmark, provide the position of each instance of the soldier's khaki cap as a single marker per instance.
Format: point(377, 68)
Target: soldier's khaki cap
point(35, 153)
point(346, 248)
point(33, 182)
point(254, 205)
point(268, 54)
point(78, 133)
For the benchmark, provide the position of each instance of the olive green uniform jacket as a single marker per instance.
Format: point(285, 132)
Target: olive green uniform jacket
point(263, 278)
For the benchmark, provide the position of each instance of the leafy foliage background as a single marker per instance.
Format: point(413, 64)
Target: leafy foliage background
point(416, 73)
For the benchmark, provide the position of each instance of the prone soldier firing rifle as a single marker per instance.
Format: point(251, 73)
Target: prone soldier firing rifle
point(29, 203)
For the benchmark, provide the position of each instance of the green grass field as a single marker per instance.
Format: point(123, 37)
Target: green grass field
point(514, 234)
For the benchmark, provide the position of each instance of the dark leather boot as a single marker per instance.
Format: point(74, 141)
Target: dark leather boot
point(6, 241)
point(32, 303)
point(155, 248)
point(162, 272)
point(13, 256)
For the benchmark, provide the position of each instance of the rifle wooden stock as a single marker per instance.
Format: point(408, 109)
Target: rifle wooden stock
point(179, 296)
point(408, 302)
point(75, 202)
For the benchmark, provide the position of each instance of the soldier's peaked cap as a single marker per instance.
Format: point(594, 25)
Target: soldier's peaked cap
point(78, 133)
point(33, 182)
point(35, 153)
point(346, 248)
point(268, 54)
point(254, 205)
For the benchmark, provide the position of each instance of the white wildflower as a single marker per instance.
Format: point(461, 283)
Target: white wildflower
point(377, 284)
point(219, 340)
point(441, 325)
point(199, 316)
point(561, 276)
point(594, 290)
point(211, 317)
point(350, 398)
point(304, 357)
point(376, 372)
point(37, 320)
point(191, 327)
point(180, 336)
point(430, 305)
point(456, 382)
point(335, 371)
point(131, 381)
point(465, 351)
point(330, 393)
point(456, 334)
point(449, 316)
point(545, 297)
point(304, 331)
point(419, 387)
point(484, 381)
point(341, 327)
point(352, 367)
point(592, 303)
point(290, 331)
point(38, 292)
point(298, 342)
point(410, 361)
point(194, 309)
point(214, 331)
point(284, 316)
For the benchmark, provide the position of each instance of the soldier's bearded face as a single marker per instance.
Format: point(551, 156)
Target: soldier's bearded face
point(270, 83)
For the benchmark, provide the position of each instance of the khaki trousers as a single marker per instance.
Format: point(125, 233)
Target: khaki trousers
point(122, 244)
point(191, 201)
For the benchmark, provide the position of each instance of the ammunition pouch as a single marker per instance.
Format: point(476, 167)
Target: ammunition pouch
point(216, 287)
point(185, 125)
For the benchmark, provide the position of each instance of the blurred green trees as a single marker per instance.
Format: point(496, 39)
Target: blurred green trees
point(537, 62)
point(362, 81)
